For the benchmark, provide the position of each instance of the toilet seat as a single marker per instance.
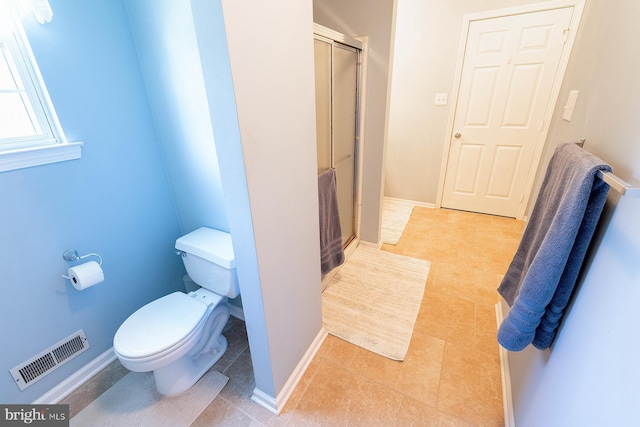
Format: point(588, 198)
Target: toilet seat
point(160, 327)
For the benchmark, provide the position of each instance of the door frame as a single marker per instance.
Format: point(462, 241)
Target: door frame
point(578, 8)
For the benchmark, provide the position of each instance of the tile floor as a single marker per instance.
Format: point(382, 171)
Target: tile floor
point(451, 375)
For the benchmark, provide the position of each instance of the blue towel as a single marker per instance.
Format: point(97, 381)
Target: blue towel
point(331, 251)
point(544, 270)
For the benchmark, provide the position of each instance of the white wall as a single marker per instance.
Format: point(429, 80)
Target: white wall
point(590, 375)
point(375, 19)
point(425, 53)
point(259, 79)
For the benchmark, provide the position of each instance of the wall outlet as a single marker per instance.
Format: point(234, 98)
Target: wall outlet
point(441, 99)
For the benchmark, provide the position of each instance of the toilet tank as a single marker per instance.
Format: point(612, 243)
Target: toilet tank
point(209, 259)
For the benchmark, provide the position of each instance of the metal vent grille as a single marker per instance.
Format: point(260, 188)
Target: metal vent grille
point(68, 349)
point(37, 367)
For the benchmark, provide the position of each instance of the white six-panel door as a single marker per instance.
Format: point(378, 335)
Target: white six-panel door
point(510, 66)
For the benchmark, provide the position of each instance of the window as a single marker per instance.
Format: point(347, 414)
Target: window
point(30, 134)
point(23, 120)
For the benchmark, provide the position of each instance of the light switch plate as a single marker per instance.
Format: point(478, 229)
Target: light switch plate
point(441, 99)
point(570, 105)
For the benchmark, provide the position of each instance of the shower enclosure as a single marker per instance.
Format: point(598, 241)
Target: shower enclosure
point(337, 68)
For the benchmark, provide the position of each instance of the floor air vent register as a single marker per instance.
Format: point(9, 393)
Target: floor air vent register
point(49, 360)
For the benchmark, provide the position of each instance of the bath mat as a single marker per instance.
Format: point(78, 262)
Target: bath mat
point(373, 301)
point(134, 401)
point(395, 216)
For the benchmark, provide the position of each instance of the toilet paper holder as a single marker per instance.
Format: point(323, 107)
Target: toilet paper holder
point(84, 275)
point(72, 255)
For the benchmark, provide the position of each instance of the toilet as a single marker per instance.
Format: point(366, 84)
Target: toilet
point(179, 336)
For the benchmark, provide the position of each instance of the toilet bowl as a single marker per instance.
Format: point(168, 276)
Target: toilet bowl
point(179, 336)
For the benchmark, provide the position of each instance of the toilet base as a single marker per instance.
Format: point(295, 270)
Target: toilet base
point(180, 375)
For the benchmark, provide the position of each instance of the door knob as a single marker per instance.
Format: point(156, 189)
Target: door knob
point(457, 135)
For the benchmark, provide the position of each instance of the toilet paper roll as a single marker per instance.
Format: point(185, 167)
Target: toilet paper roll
point(86, 275)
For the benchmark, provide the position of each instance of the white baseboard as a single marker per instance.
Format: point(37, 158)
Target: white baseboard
point(372, 244)
point(275, 405)
point(411, 202)
point(84, 374)
point(265, 400)
point(236, 311)
point(507, 398)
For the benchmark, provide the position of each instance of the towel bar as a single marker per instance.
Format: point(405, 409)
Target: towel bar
point(618, 184)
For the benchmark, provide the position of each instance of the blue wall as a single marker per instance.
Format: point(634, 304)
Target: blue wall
point(170, 60)
point(115, 200)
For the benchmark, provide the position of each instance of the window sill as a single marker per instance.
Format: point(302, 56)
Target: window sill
point(37, 156)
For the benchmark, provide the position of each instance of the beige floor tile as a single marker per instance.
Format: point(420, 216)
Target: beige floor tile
point(338, 396)
point(471, 386)
point(446, 317)
point(443, 253)
point(486, 343)
point(338, 350)
point(508, 224)
point(488, 259)
point(433, 241)
point(459, 280)
point(486, 319)
point(429, 214)
point(375, 367)
point(299, 391)
point(419, 375)
point(374, 405)
point(415, 413)
point(463, 217)
point(486, 329)
point(328, 396)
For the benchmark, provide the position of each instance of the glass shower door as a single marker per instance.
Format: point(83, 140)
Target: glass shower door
point(336, 69)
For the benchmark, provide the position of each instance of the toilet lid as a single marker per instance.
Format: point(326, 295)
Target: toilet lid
point(159, 325)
